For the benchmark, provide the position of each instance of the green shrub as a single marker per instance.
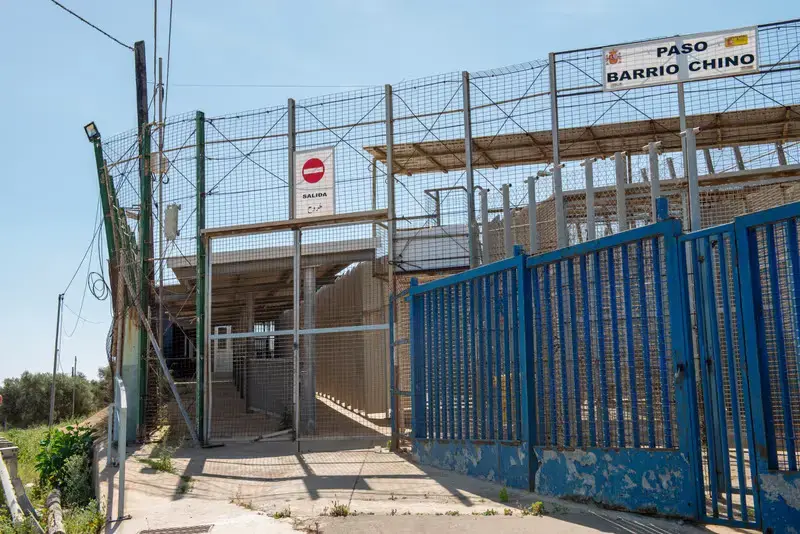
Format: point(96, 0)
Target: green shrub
point(88, 519)
point(58, 447)
point(504, 495)
point(77, 490)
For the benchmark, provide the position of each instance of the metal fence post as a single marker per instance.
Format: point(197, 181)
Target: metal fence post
point(416, 342)
point(622, 211)
point(528, 402)
point(655, 185)
point(558, 189)
point(200, 268)
point(588, 169)
point(533, 237)
point(508, 238)
point(291, 140)
point(473, 257)
point(690, 149)
point(486, 253)
point(394, 375)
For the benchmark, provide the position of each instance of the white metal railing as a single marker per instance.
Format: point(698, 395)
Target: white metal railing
point(117, 427)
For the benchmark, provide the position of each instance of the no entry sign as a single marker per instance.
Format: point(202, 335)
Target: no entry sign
point(314, 183)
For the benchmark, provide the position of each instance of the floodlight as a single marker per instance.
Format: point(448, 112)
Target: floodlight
point(92, 132)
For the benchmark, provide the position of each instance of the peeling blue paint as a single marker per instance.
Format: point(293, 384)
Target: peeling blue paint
point(639, 480)
point(780, 501)
point(503, 462)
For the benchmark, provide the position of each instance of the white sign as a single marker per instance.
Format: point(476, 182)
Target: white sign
point(314, 183)
point(678, 59)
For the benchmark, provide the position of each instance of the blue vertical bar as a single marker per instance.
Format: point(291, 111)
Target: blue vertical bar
point(458, 361)
point(518, 326)
point(794, 282)
point(436, 357)
point(587, 349)
point(498, 380)
point(538, 357)
point(576, 369)
point(612, 297)
point(392, 389)
point(632, 393)
point(451, 376)
point(548, 316)
point(466, 304)
point(644, 320)
point(528, 405)
point(417, 350)
point(725, 276)
point(507, 355)
point(481, 358)
point(562, 349)
point(429, 363)
point(444, 404)
point(704, 359)
point(721, 428)
point(487, 292)
point(663, 373)
point(601, 351)
point(473, 356)
point(780, 347)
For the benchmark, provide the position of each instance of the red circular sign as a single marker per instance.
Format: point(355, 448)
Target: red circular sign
point(313, 170)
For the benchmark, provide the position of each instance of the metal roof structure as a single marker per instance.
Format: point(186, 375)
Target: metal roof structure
point(266, 273)
point(747, 127)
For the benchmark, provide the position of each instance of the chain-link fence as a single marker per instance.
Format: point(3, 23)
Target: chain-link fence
point(454, 140)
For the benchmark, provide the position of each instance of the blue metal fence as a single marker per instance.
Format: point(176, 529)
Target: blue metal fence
point(649, 370)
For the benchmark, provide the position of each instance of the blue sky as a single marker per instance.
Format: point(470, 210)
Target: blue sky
point(58, 74)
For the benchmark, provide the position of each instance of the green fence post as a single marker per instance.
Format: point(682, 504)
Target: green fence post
point(200, 286)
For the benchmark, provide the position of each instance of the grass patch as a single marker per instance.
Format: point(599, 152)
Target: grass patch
point(280, 514)
point(508, 511)
point(338, 509)
point(489, 511)
point(162, 463)
point(185, 485)
point(28, 441)
point(452, 513)
point(88, 519)
point(238, 500)
point(504, 495)
point(536, 509)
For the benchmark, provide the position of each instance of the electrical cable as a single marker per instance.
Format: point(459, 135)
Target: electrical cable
point(92, 25)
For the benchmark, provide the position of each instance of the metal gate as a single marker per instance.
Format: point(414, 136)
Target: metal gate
point(743, 293)
point(298, 332)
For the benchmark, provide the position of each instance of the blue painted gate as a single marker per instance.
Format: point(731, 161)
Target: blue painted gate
point(650, 370)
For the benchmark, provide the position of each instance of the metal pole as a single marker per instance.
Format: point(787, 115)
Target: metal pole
point(55, 360)
point(200, 268)
point(473, 257)
point(533, 237)
point(558, 190)
point(690, 149)
point(588, 169)
point(394, 403)
point(295, 271)
point(622, 212)
point(209, 384)
point(160, 126)
point(655, 185)
point(486, 254)
point(508, 238)
point(74, 375)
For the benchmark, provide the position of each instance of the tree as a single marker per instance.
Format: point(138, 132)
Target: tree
point(26, 400)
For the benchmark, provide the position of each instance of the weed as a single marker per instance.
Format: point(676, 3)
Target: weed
point(392, 498)
point(504, 495)
point(490, 511)
point(393, 512)
point(185, 485)
point(238, 500)
point(339, 510)
point(286, 512)
point(162, 461)
point(452, 512)
point(407, 512)
point(87, 519)
point(536, 508)
point(508, 511)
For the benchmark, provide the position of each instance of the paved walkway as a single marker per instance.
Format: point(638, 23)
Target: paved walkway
point(238, 488)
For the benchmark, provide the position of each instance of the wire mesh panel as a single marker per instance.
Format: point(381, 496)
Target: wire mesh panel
point(251, 356)
point(602, 350)
point(344, 347)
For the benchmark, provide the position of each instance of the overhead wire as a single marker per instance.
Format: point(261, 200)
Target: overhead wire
point(62, 6)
